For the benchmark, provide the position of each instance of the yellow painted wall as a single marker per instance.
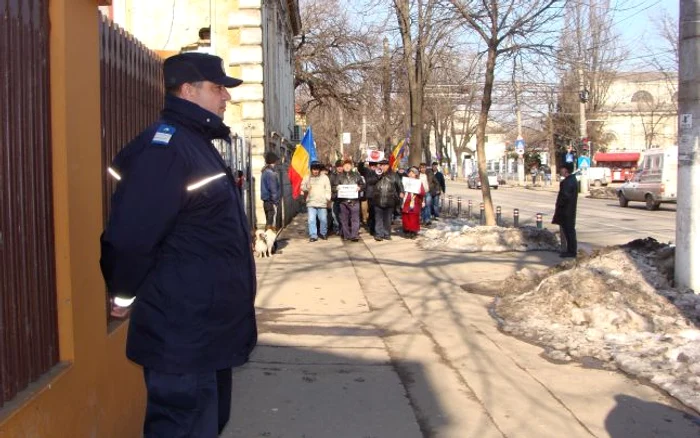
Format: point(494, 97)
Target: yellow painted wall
point(99, 393)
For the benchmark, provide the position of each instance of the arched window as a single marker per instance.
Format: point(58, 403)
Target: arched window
point(642, 96)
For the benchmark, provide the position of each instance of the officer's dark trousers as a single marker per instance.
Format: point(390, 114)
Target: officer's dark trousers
point(350, 219)
point(187, 405)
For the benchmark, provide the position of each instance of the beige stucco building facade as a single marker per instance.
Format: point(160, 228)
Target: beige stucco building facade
point(255, 38)
point(641, 111)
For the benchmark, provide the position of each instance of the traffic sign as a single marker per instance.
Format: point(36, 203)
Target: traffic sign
point(584, 162)
point(520, 146)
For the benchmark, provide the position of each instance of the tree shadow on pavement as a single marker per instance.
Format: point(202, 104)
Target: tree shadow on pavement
point(635, 418)
point(291, 391)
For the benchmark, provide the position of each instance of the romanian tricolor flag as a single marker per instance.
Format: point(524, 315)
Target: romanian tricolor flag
point(304, 154)
point(397, 154)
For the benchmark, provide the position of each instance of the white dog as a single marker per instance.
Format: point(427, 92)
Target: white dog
point(260, 246)
point(270, 238)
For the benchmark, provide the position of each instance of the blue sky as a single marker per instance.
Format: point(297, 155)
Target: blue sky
point(636, 24)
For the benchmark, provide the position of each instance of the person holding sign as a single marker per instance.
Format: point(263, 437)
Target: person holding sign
point(350, 184)
point(412, 203)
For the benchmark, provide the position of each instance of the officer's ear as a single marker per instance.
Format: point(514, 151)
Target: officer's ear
point(190, 89)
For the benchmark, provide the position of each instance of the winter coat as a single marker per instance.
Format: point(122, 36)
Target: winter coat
point(318, 189)
point(441, 181)
point(177, 240)
point(433, 184)
point(350, 178)
point(565, 208)
point(270, 186)
point(370, 181)
point(387, 190)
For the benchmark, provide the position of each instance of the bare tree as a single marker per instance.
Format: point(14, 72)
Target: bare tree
point(505, 27)
point(332, 56)
point(424, 28)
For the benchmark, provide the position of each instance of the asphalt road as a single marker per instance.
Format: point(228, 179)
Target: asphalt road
point(599, 222)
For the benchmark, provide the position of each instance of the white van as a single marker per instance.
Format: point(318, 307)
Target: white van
point(599, 176)
point(655, 181)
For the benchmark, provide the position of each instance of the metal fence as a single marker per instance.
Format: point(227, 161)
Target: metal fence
point(131, 93)
point(28, 333)
point(237, 154)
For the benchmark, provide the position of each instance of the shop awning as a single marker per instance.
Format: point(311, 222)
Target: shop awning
point(606, 157)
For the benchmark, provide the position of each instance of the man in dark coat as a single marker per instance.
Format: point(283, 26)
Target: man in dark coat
point(177, 250)
point(350, 203)
point(388, 192)
point(565, 211)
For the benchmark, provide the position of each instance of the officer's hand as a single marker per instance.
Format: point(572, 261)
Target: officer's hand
point(119, 312)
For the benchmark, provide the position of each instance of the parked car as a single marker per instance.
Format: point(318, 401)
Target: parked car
point(655, 181)
point(474, 181)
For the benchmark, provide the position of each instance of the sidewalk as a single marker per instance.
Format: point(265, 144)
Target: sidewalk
point(379, 339)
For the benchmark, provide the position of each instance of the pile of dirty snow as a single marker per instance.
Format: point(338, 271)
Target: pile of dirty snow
point(618, 306)
point(463, 236)
point(602, 193)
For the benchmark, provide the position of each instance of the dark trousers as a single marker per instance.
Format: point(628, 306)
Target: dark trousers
point(371, 220)
point(383, 217)
point(336, 216)
point(350, 219)
point(567, 235)
point(270, 209)
point(187, 405)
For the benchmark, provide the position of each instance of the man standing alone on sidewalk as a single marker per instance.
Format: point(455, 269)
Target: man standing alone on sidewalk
point(565, 211)
point(177, 246)
point(270, 190)
point(317, 192)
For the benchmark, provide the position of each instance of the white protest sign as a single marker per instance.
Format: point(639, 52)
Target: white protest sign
point(348, 191)
point(411, 185)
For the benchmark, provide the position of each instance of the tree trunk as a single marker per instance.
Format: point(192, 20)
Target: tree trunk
point(481, 133)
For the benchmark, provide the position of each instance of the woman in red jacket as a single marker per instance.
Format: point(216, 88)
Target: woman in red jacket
point(411, 208)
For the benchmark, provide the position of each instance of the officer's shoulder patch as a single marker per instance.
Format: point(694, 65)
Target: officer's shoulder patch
point(163, 135)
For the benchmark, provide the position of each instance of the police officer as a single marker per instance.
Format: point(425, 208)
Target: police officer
point(177, 247)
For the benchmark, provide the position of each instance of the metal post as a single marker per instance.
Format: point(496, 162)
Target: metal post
point(449, 205)
point(482, 218)
point(459, 206)
point(583, 127)
point(516, 218)
point(688, 211)
point(469, 209)
point(498, 215)
point(538, 219)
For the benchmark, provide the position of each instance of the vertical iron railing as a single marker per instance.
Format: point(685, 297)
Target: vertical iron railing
point(28, 322)
point(131, 93)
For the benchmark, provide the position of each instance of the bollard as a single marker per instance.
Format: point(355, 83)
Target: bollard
point(516, 218)
point(498, 215)
point(449, 205)
point(538, 218)
point(442, 202)
point(469, 210)
point(459, 206)
point(482, 216)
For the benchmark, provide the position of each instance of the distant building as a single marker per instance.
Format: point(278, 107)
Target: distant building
point(641, 111)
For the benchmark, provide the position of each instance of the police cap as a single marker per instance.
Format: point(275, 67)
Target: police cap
point(196, 67)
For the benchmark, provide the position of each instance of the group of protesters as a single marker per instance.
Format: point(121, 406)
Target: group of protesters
point(342, 198)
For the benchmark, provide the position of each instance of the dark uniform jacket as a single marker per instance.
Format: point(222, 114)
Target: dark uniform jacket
point(387, 190)
point(565, 209)
point(177, 239)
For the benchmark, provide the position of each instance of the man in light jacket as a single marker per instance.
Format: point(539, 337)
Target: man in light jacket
point(317, 192)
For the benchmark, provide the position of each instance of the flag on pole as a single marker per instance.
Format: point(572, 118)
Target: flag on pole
point(397, 155)
point(304, 154)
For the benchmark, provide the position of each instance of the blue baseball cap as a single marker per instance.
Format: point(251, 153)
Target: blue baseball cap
point(196, 67)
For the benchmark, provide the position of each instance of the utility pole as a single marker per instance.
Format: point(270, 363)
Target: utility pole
point(688, 211)
point(583, 129)
point(552, 146)
point(518, 115)
point(386, 85)
point(340, 140)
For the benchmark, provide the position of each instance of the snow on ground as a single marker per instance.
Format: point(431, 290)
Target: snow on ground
point(459, 235)
point(618, 306)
